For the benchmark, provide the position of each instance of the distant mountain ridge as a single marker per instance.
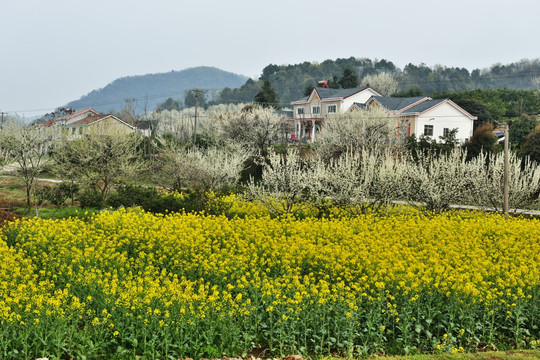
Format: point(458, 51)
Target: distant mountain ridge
point(152, 89)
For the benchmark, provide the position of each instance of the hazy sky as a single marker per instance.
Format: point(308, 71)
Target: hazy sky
point(55, 51)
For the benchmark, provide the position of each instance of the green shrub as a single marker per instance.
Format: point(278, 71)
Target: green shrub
point(92, 199)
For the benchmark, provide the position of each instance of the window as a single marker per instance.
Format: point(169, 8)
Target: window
point(446, 131)
point(428, 130)
point(316, 109)
point(332, 109)
point(300, 111)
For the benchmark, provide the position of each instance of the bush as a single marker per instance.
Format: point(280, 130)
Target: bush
point(131, 195)
point(152, 200)
point(92, 199)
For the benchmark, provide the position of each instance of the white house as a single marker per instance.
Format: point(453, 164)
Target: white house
point(310, 111)
point(419, 115)
point(425, 116)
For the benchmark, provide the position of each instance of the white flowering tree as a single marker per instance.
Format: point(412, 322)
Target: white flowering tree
point(179, 124)
point(100, 161)
point(435, 182)
point(370, 128)
point(362, 180)
point(253, 127)
point(487, 181)
point(26, 146)
point(384, 83)
point(200, 169)
point(286, 186)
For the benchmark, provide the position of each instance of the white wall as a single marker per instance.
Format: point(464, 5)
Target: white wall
point(360, 97)
point(445, 116)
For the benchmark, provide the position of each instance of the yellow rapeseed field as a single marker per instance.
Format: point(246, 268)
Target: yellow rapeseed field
point(131, 283)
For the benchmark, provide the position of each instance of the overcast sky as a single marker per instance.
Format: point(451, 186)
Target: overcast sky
point(55, 51)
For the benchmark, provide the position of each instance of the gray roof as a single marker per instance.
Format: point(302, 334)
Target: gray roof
point(423, 106)
point(397, 104)
point(360, 105)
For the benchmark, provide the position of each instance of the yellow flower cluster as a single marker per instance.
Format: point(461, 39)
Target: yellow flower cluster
point(166, 269)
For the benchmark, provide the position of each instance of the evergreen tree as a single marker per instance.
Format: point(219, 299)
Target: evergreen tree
point(170, 104)
point(189, 99)
point(308, 89)
point(333, 83)
point(267, 97)
point(349, 79)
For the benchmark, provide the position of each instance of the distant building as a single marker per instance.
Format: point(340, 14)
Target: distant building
point(309, 112)
point(413, 115)
point(76, 123)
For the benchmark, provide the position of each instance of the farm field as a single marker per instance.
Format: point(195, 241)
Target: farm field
point(126, 284)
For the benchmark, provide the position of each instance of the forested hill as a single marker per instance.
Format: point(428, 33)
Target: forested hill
point(146, 91)
point(290, 81)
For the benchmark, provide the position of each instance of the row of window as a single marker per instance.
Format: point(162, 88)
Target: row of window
point(428, 130)
point(330, 109)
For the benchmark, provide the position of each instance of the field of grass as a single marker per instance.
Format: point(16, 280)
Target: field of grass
point(122, 284)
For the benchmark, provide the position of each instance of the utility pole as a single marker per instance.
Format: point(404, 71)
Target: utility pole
point(2, 123)
point(197, 91)
point(506, 165)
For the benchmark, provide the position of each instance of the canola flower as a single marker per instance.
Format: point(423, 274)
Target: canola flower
point(191, 285)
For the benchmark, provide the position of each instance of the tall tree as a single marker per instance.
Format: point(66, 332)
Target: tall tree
point(189, 99)
point(349, 79)
point(267, 97)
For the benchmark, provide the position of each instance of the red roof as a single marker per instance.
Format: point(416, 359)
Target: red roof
point(77, 113)
point(89, 119)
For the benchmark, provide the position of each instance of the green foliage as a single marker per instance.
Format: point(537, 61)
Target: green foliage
point(267, 97)
point(498, 103)
point(412, 92)
point(520, 130)
point(170, 104)
point(195, 97)
point(91, 199)
point(531, 147)
point(290, 82)
point(349, 79)
point(244, 94)
point(483, 140)
point(308, 88)
point(152, 200)
point(426, 145)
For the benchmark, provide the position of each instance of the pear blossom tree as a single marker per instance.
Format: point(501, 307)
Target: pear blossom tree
point(26, 146)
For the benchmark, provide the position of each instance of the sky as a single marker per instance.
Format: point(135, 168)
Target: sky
point(55, 51)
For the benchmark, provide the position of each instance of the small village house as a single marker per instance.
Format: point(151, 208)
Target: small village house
point(413, 115)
